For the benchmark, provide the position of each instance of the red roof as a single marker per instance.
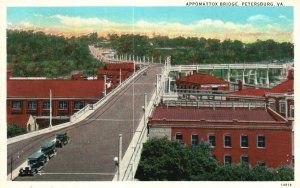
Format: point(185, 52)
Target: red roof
point(118, 66)
point(284, 87)
point(201, 79)
point(18, 119)
point(260, 92)
point(112, 72)
point(60, 88)
point(219, 114)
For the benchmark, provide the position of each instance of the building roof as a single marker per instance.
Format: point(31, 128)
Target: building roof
point(118, 66)
point(59, 88)
point(284, 87)
point(18, 119)
point(112, 72)
point(219, 114)
point(201, 79)
point(259, 92)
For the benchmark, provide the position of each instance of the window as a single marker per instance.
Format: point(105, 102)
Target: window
point(78, 104)
point(194, 139)
point(31, 105)
point(244, 160)
point(16, 104)
point(227, 141)
point(212, 140)
point(46, 105)
point(62, 104)
point(281, 106)
point(272, 104)
point(260, 141)
point(244, 141)
point(292, 111)
point(227, 160)
point(261, 163)
point(179, 138)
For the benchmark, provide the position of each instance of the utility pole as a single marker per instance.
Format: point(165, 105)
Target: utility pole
point(104, 85)
point(50, 125)
point(145, 109)
point(120, 156)
point(11, 168)
point(120, 77)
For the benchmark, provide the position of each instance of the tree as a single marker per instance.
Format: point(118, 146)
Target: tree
point(14, 130)
point(169, 160)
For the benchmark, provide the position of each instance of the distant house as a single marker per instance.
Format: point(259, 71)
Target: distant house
point(201, 81)
point(114, 70)
point(113, 76)
point(26, 121)
point(280, 98)
point(123, 66)
point(256, 136)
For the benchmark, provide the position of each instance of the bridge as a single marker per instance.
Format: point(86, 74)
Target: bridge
point(100, 54)
point(257, 73)
point(94, 135)
point(94, 130)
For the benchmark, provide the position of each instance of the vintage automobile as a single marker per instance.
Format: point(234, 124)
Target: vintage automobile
point(49, 149)
point(61, 138)
point(36, 162)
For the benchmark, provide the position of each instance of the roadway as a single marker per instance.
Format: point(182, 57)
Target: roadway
point(94, 141)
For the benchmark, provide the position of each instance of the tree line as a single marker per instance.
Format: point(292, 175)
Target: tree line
point(32, 53)
point(193, 50)
point(164, 160)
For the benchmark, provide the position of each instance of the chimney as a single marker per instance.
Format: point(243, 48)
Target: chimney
point(291, 74)
point(240, 85)
point(8, 73)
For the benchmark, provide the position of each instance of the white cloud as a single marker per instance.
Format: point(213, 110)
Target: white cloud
point(208, 28)
point(37, 15)
point(283, 17)
point(259, 17)
point(84, 22)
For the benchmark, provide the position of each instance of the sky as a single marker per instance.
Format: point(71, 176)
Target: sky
point(237, 23)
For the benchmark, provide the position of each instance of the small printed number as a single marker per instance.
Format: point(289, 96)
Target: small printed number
point(286, 184)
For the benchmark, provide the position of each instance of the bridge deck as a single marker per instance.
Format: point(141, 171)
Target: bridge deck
point(94, 141)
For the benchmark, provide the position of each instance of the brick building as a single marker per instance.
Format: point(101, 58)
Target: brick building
point(26, 121)
point(280, 98)
point(114, 70)
point(236, 135)
point(201, 81)
point(68, 96)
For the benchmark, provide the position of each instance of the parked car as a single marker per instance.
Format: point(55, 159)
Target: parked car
point(61, 138)
point(49, 149)
point(36, 162)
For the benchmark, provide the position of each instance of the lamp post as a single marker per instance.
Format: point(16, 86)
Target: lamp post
point(118, 159)
point(50, 115)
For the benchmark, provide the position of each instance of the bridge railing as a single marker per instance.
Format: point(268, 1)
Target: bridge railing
point(213, 104)
point(105, 98)
point(227, 66)
point(131, 166)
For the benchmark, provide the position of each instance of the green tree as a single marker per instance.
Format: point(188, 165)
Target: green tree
point(169, 160)
point(14, 130)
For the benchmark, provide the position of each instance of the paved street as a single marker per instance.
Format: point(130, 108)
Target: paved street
point(94, 141)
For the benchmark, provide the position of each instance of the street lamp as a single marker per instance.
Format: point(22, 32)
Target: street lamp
point(116, 160)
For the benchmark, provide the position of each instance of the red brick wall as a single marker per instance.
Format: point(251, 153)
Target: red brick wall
point(277, 151)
